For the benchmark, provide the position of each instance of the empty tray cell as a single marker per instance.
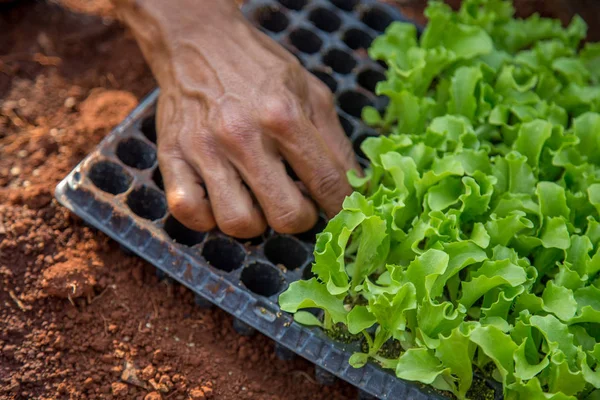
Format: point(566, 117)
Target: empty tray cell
point(357, 39)
point(306, 41)
point(148, 128)
point(310, 236)
point(182, 234)
point(376, 18)
point(136, 154)
point(346, 125)
point(294, 4)
point(369, 78)
point(147, 203)
point(110, 177)
point(224, 254)
point(158, 179)
point(286, 251)
point(346, 5)
point(326, 79)
point(353, 102)
point(271, 19)
point(325, 19)
point(340, 61)
point(263, 279)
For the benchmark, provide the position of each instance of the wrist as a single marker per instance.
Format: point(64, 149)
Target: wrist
point(163, 29)
point(177, 16)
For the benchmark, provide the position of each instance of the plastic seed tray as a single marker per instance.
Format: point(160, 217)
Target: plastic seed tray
point(118, 189)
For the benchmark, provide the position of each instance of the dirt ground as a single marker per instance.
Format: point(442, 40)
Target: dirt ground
point(79, 319)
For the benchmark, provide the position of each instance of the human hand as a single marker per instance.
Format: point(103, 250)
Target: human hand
point(233, 106)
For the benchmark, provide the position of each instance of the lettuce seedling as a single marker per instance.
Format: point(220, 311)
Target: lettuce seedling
point(473, 240)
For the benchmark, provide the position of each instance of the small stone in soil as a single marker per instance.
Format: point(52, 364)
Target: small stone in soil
point(119, 389)
point(197, 394)
point(157, 356)
point(70, 102)
point(153, 396)
point(148, 372)
point(208, 392)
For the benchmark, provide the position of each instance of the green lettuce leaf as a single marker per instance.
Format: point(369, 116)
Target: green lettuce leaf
point(472, 242)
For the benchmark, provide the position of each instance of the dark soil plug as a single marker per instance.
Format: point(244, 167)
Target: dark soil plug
point(357, 39)
point(377, 19)
point(340, 61)
point(263, 279)
point(110, 177)
point(346, 5)
point(286, 251)
point(306, 41)
point(224, 254)
point(369, 79)
point(147, 203)
point(325, 20)
point(181, 234)
point(353, 102)
point(136, 154)
point(271, 19)
point(295, 5)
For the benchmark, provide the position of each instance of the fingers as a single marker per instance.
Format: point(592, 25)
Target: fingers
point(286, 209)
point(258, 162)
point(186, 197)
point(307, 152)
point(228, 148)
point(232, 205)
point(186, 158)
point(325, 119)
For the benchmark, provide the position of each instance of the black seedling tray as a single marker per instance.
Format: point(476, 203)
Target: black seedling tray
point(118, 189)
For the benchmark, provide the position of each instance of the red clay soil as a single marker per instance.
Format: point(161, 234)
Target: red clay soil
point(79, 319)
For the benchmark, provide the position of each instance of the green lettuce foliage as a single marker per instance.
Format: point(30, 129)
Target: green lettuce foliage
point(473, 241)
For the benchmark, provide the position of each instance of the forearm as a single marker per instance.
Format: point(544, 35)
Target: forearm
point(176, 34)
point(178, 14)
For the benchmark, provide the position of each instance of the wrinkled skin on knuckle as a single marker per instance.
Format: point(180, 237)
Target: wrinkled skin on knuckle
point(185, 209)
point(327, 183)
point(279, 113)
point(239, 225)
point(233, 129)
point(287, 221)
